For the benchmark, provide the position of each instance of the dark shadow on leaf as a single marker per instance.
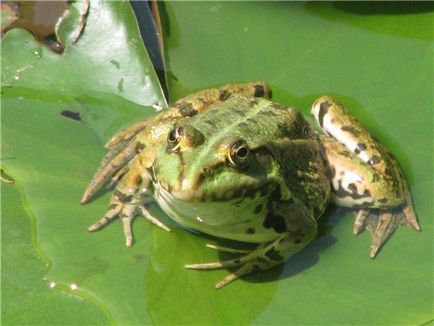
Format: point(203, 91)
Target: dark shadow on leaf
point(385, 7)
point(303, 260)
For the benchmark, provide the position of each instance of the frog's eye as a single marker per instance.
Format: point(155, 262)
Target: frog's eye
point(239, 153)
point(174, 138)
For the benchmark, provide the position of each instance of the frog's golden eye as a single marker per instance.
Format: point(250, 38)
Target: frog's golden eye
point(239, 153)
point(174, 138)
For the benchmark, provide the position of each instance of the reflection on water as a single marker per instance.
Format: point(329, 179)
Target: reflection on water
point(405, 19)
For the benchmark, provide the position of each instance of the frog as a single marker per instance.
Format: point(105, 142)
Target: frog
point(230, 163)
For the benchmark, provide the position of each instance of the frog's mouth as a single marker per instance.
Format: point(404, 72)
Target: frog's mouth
point(225, 218)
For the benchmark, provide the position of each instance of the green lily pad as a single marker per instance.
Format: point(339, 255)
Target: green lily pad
point(26, 298)
point(61, 109)
point(377, 60)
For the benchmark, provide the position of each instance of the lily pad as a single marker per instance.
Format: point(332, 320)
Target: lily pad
point(376, 58)
point(61, 109)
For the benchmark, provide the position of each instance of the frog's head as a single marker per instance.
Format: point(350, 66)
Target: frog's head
point(193, 166)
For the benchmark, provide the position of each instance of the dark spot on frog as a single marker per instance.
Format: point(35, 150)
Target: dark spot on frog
point(345, 154)
point(273, 254)
point(387, 171)
point(323, 109)
point(259, 91)
point(332, 172)
point(140, 146)
point(263, 191)
point(360, 148)
point(186, 109)
point(352, 187)
point(224, 95)
point(123, 198)
point(276, 194)
point(270, 94)
point(71, 115)
point(374, 160)
point(250, 193)
point(256, 268)
point(351, 191)
point(277, 222)
point(250, 231)
point(257, 209)
point(112, 206)
point(297, 240)
point(376, 177)
point(351, 130)
point(383, 200)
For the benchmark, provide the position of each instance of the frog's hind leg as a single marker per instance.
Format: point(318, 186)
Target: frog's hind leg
point(300, 230)
point(364, 175)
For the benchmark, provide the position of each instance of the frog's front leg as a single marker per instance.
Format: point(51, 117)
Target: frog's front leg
point(364, 175)
point(129, 200)
point(300, 230)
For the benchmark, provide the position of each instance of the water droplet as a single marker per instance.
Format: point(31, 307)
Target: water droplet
point(158, 106)
point(16, 77)
point(52, 284)
point(73, 286)
point(146, 80)
point(38, 53)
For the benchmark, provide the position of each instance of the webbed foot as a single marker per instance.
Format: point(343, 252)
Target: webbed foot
point(382, 223)
point(126, 212)
point(263, 257)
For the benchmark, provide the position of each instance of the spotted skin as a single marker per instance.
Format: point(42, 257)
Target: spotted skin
point(231, 150)
point(364, 174)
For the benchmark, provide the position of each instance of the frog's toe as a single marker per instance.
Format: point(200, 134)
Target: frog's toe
point(111, 214)
point(243, 270)
point(215, 265)
point(261, 258)
point(244, 267)
point(386, 224)
point(381, 224)
point(153, 219)
point(409, 214)
point(359, 223)
point(228, 249)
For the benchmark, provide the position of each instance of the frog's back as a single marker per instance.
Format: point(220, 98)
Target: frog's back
point(252, 119)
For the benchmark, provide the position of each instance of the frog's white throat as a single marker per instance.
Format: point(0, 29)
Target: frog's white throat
point(227, 219)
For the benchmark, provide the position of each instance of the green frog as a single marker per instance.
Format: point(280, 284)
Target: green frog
point(230, 163)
